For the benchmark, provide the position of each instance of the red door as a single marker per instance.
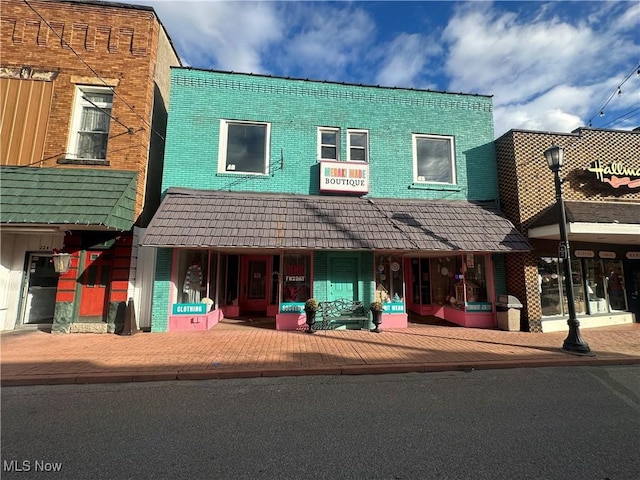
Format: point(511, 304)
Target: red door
point(253, 284)
point(95, 281)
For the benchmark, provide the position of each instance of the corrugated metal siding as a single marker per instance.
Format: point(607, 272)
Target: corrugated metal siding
point(24, 119)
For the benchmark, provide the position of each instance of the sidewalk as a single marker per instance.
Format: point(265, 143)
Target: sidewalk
point(33, 357)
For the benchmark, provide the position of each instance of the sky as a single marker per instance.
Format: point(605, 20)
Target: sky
point(550, 66)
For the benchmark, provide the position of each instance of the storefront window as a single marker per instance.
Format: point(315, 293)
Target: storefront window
point(615, 285)
point(605, 286)
point(389, 278)
point(296, 286)
point(551, 282)
point(476, 278)
point(193, 276)
point(578, 287)
point(446, 272)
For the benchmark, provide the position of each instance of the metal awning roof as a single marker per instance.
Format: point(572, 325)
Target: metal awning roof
point(67, 197)
point(224, 220)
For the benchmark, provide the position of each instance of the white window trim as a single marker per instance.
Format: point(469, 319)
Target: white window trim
point(452, 164)
point(336, 130)
point(76, 117)
point(222, 147)
point(366, 148)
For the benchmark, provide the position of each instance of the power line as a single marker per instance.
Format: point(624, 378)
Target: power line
point(628, 114)
point(93, 71)
point(618, 91)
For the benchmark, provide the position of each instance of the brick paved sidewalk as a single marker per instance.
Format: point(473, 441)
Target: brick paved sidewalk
point(226, 351)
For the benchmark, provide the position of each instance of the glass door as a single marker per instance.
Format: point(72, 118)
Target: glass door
point(40, 287)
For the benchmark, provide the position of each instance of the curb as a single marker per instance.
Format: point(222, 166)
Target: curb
point(161, 376)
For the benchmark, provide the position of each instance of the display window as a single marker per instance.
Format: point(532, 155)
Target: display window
point(598, 286)
point(605, 286)
point(389, 275)
point(296, 279)
point(193, 281)
point(446, 273)
point(475, 276)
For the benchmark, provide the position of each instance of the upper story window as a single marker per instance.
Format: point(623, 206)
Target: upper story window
point(358, 145)
point(329, 143)
point(90, 123)
point(433, 159)
point(244, 147)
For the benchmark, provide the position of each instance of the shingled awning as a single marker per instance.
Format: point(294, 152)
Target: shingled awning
point(67, 197)
point(213, 219)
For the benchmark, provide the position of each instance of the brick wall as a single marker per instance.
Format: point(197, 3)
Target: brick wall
point(296, 108)
point(527, 189)
point(119, 43)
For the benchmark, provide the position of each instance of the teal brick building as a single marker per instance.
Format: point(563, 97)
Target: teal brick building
point(277, 190)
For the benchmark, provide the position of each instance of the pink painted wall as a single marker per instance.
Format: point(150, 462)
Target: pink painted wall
point(188, 323)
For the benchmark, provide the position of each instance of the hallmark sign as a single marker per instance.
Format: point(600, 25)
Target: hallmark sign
point(616, 174)
point(344, 177)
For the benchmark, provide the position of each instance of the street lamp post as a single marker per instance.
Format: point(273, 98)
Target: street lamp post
point(573, 343)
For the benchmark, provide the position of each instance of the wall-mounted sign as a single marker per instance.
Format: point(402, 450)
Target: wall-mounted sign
point(616, 174)
point(344, 177)
point(189, 308)
point(294, 278)
point(292, 307)
point(479, 307)
point(633, 255)
point(584, 254)
point(393, 307)
point(607, 254)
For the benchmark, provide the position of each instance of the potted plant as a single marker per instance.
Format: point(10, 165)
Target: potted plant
point(310, 308)
point(376, 313)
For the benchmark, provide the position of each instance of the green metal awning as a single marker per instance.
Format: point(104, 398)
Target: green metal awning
point(67, 197)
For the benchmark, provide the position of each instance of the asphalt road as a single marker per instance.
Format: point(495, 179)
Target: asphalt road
point(547, 423)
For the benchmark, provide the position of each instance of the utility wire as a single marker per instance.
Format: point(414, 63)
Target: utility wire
point(92, 70)
point(628, 114)
point(618, 90)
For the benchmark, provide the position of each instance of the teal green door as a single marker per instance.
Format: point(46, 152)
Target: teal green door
point(343, 279)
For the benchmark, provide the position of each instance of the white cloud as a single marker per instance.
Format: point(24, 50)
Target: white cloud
point(222, 35)
point(544, 72)
point(324, 41)
point(404, 59)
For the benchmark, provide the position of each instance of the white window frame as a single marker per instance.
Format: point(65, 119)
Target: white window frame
point(366, 147)
point(222, 148)
point(76, 118)
point(452, 157)
point(335, 130)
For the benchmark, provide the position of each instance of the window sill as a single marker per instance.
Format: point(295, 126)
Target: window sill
point(435, 186)
point(242, 174)
point(82, 161)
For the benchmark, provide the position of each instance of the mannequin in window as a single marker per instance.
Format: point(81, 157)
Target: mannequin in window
point(193, 283)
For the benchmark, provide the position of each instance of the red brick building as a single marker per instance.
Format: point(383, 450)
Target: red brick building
point(601, 189)
point(84, 88)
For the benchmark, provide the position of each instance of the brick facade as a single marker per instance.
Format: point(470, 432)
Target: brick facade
point(86, 44)
point(66, 44)
point(294, 109)
point(527, 190)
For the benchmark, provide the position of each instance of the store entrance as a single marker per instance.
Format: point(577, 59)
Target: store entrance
point(253, 280)
point(39, 292)
point(632, 282)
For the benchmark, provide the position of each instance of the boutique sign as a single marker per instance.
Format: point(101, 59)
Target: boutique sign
point(344, 177)
point(616, 174)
